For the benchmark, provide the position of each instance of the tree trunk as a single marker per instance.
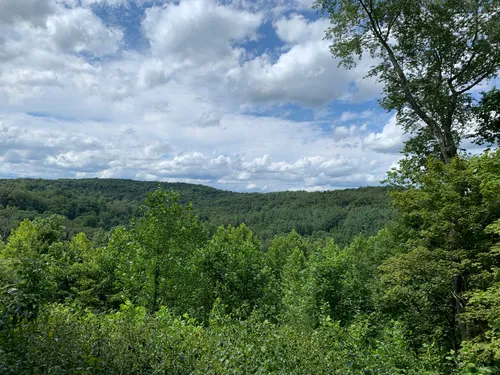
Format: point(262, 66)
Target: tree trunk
point(460, 328)
point(156, 283)
point(443, 136)
point(451, 146)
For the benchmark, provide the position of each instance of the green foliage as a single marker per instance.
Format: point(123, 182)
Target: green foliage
point(346, 280)
point(448, 215)
point(281, 248)
point(430, 55)
point(488, 117)
point(162, 296)
point(298, 302)
point(168, 235)
point(157, 252)
point(232, 268)
point(25, 280)
point(482, 348)
point(66, 340)
point(449, 206)
point(94, 205)
point(84, 273)
point(417, 290)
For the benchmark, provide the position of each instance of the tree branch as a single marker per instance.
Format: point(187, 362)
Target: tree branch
point(473, 54)
point(393, 21)
point(404, 84)
point(476, 82)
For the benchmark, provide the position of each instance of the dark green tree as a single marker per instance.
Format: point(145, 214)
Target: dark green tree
point(445, 212)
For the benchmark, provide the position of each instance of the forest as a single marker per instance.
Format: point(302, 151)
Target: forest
point(165, 295)
point(91, 206)
point(127, 277)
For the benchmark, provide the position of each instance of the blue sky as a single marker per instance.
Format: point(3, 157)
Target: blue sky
point(240, 95)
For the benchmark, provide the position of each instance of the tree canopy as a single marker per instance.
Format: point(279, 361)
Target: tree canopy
point(328, 283)
point(94, 206)
point(431, 56)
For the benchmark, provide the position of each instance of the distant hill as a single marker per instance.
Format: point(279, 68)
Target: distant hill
point(91, 205)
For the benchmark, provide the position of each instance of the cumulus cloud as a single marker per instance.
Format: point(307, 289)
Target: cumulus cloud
point(303, 156)
point(33, 11)
point(306, 73)
point(342, 132)
point(48, 66)
point(80, 30)
point(198, 31)
point(389, 141)
point(75, 102)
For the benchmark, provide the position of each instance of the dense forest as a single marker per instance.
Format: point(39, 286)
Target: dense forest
point(164, 295)
point(126, 277)
point(90, 206)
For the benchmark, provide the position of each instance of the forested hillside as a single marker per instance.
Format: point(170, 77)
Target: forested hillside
point(162, 295)
point(127, 277)
point(93, 205)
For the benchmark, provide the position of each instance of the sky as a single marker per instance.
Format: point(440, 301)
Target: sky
point(236, 94)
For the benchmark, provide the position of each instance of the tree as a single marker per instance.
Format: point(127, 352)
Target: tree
point(298, 296)
point(483, 310)
point(25, 279)
point(85, 274)
point(281, 248)
point(416, 291)
point(233, 267)
point(488, 114)
point(164, 239)
point(430, 55)
point(445, 212)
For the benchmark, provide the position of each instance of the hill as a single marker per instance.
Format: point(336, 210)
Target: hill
point(91, 205)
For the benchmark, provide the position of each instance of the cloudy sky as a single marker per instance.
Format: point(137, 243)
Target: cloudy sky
point(240, 95)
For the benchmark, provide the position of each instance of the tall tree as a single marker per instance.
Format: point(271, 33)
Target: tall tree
point(167, 235)
point(444, 215)
point(429, 54)
point(232, 266)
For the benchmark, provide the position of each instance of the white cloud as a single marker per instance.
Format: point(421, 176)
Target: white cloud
point(297, 29)
point(350, 116)
point(33, 11)
point(177, 111)
point(271, 154)
point(80, 30)
point(198, 31)
point(342, 132)
point(306, 74)
point(390, 140)
point(107, 2)
point(41, 67)
point(273, 8)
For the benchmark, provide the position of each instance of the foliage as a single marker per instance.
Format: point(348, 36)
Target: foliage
point(66, 340)
point(163, 296)
point(482, 313)
point(488, 117)
point(446, 218)
point(159, 247)
point(94, 205)
point(429, 54)
point(25, 279)
point(232, 268)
